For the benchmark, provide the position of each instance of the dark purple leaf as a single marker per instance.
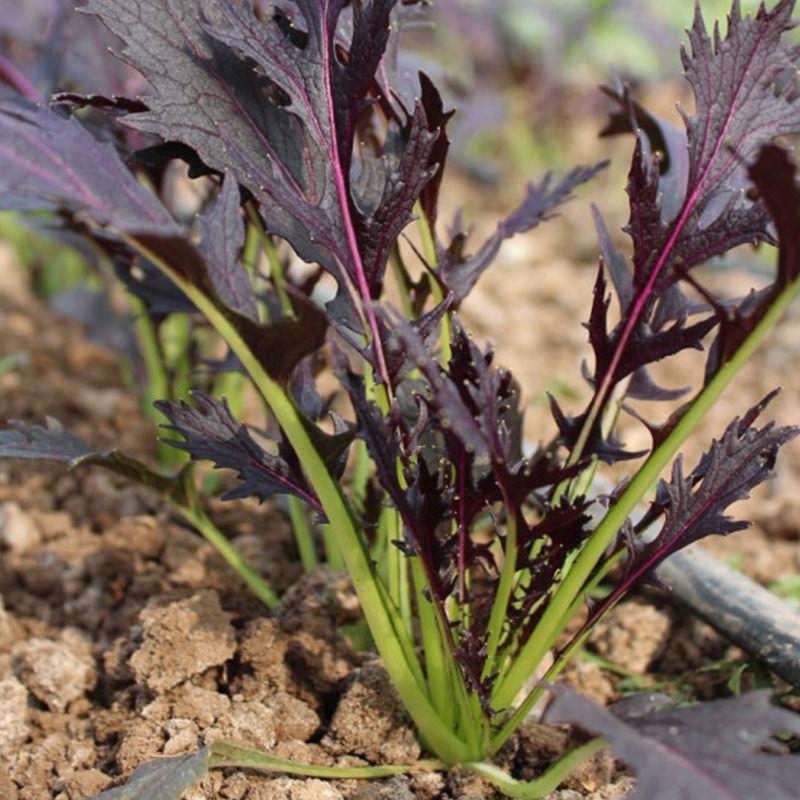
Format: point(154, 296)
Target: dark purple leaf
point(665, 141)
point(48, 160)
point(272, 102)
point(722, 749)
point(211, 433)
point(222, 232)
point(159, 294)
point(745, 95)
point(732, 467)
point(774, 174)
point(460, 273)
point(645, 344)
point(54, 443)
point(37, 442)
point(55, 160)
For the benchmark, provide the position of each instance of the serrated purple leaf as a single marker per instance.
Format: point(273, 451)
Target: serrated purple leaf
point(663, 139)
point(718, 749)
point(53, 442)
point(745, 93)
point(275, 103)
point(774, 174)
point(695, 505)
point(211, 433)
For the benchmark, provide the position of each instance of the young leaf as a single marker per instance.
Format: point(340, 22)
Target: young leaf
point(722, 749)
point(459, 273)
point(745, 95)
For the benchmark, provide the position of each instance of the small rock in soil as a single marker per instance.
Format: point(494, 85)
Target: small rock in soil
point(18, 532)
point(466, 785)
point(370, 721)
point(293, 789)
point(591, 681)
point(294, 719)
point(538, 744)
point(140, 740)
point(8, 789)
point(52, 524)
point(182, 639)
point(10, 630)
point(14, 726)
point(427, 785)
point(183, 736)
point(396, 788)
point(319, 602)
point(57, 673)
point(249, 723)
point(83, 783)
point(141, 534)
point(188, 701)
point(633, 635)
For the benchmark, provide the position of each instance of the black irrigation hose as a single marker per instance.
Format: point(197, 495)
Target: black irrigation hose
point(750, 616)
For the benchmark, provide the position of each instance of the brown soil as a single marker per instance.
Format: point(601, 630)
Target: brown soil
point(123, 635)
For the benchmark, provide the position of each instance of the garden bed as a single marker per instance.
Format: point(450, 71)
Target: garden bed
point(125, 636)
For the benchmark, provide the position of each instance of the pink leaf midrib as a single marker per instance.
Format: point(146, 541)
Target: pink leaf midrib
point(344, 204)
point(689, 205)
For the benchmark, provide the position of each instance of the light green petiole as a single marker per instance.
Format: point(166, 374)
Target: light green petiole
point(545, 784)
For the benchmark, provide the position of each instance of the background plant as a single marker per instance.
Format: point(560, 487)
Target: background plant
point(469, 558)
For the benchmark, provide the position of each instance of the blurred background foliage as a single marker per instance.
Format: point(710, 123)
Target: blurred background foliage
point(523, 74)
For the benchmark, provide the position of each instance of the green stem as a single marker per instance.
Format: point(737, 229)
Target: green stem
point(199, 520)
point(572, 585)
point(402, 280)
point(543, 785)
point(503, 596)
point(564, 657)
point(276, 273)
point(157, 387)
point(385, 633)
point(429, 251)
point(303, 534)
point(176, 340)
point(361, 471)
point(229, 754)
point(231, 386)
point(439, 685)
